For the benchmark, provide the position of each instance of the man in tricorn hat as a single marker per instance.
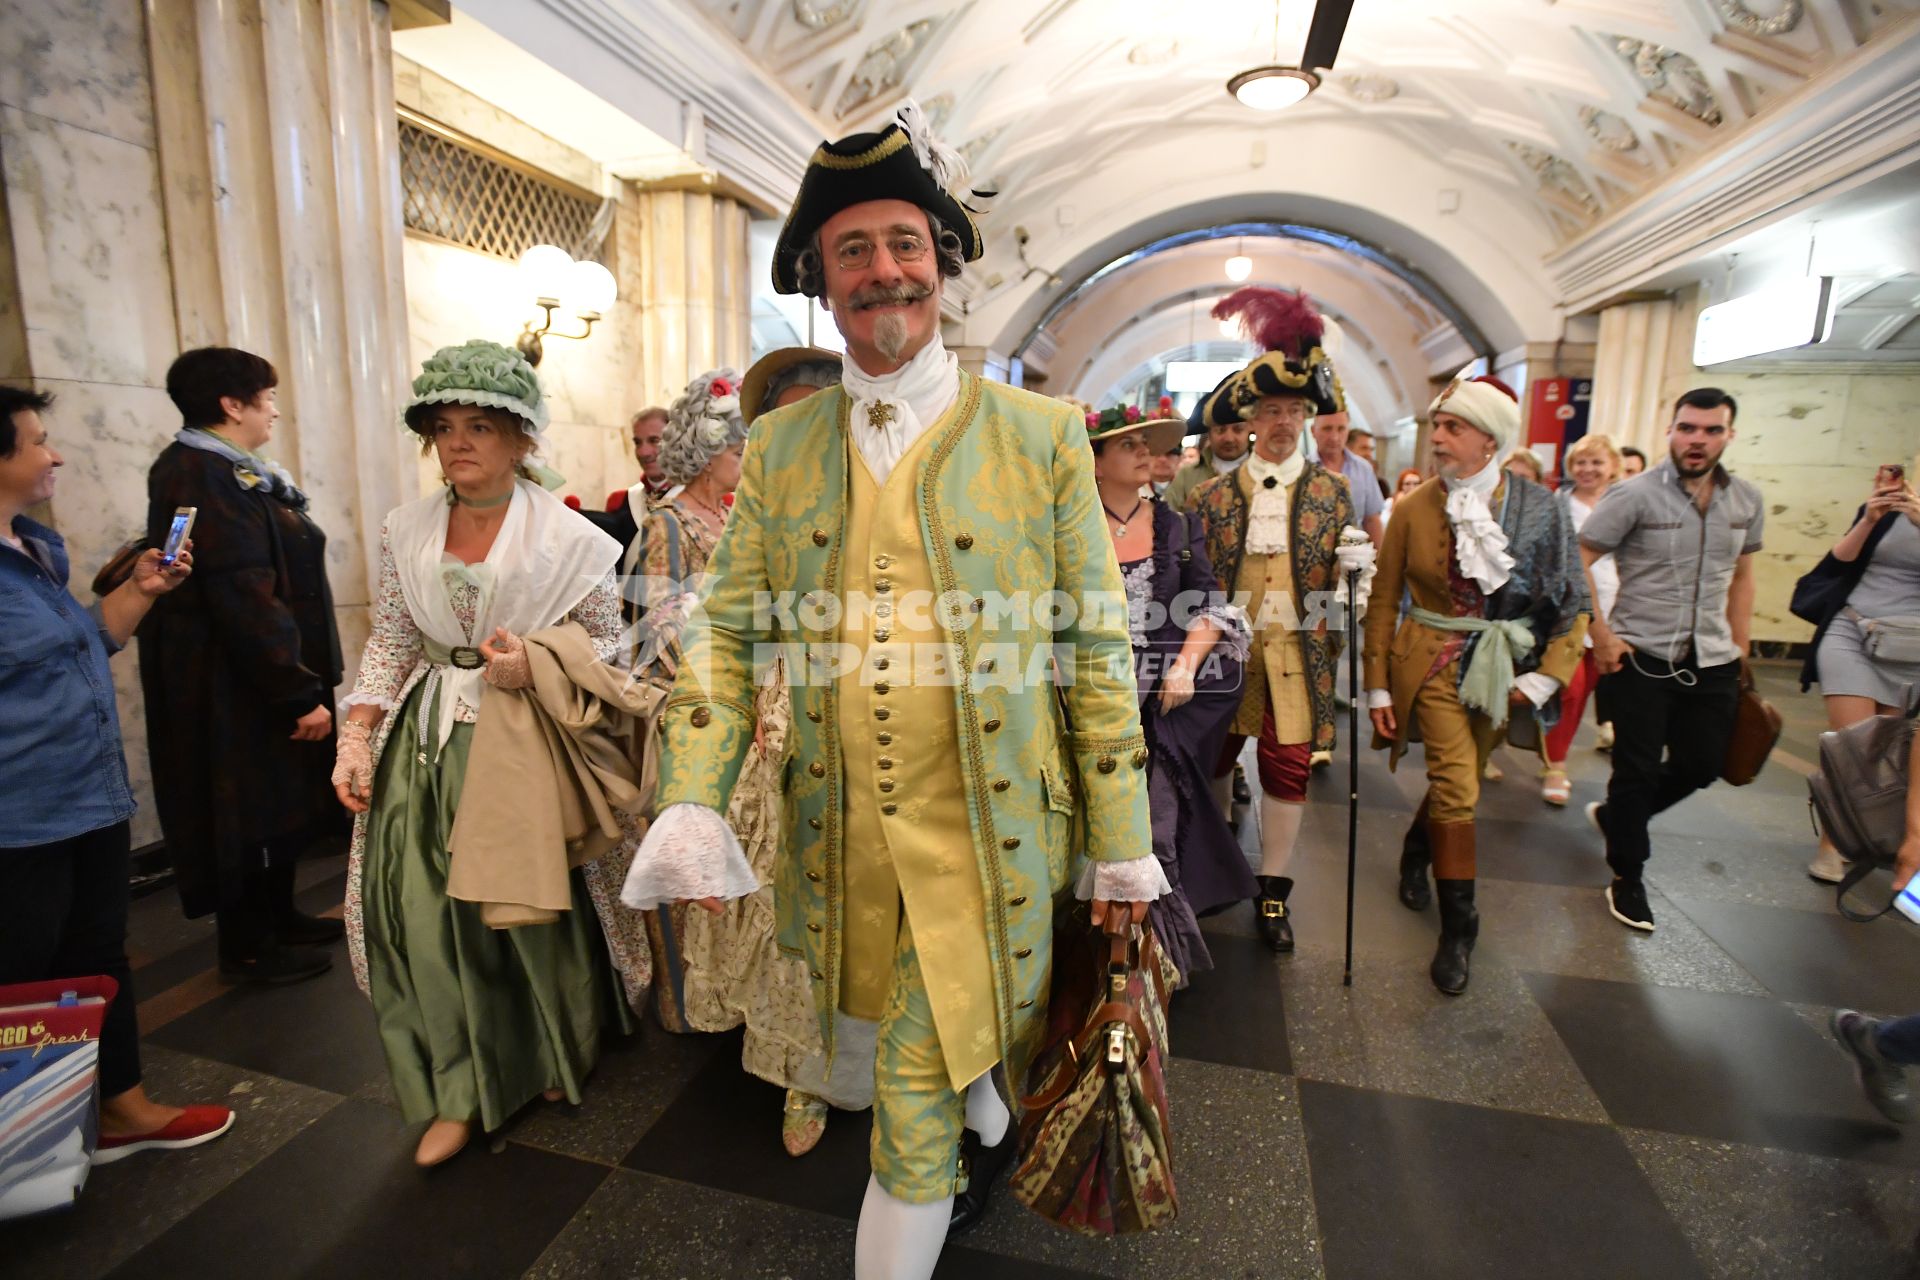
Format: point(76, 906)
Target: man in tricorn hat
point(1273, 534)
point(933, 779)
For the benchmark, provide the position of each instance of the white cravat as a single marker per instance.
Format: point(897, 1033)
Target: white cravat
point(892, 411)
point(1270, 514)
point(1223, 465)
point(1479, 543)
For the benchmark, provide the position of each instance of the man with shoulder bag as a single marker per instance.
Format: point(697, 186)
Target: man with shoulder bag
point(1672, 655)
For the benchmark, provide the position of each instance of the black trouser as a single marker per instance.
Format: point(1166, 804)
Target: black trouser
point(1671, 726)
point(66, 917)
point(247, 917)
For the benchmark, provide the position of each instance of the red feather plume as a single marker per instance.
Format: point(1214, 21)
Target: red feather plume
point(1277, 320)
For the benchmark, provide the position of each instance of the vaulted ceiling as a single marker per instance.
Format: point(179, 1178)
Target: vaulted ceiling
point(1468, 139)
point(1571, 106)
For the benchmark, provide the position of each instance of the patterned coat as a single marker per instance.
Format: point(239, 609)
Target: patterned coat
point(1546, 587)
point(1322, 507)
point(1006, 504)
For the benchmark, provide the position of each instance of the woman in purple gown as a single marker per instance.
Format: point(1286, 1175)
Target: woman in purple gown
point(1188, 645)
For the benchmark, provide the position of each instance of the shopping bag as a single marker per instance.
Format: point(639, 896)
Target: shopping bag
point(49, 1079)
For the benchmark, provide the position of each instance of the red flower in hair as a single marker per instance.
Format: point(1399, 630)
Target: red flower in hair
point(720, 387)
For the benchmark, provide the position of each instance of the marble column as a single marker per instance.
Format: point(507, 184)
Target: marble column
point(1630, 372)
point(278, 158)
point(682, 256)
point(185, 172)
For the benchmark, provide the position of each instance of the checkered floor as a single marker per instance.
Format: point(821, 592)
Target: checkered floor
point(1600, 1103)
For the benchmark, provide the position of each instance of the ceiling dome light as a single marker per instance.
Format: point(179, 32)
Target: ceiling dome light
point(1272, 88)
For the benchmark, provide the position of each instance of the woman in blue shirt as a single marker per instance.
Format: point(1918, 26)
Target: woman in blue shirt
point(63, 780)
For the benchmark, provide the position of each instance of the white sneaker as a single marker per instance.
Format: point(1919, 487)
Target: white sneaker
point(1828, 867)
point(1603, 737)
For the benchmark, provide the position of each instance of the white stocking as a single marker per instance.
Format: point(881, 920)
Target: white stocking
point(987, 1114)
point(1279, 832)
point(898, 1240)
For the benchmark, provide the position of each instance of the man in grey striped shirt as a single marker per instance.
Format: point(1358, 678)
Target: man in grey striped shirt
point(1683, 534)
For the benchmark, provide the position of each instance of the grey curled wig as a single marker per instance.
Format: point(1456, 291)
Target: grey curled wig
point(701, 425)
point(809, 271)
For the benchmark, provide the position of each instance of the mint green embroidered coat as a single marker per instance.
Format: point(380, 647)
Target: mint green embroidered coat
point(1006, 504)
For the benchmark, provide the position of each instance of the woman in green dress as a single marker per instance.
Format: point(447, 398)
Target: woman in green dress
point(475, 1021)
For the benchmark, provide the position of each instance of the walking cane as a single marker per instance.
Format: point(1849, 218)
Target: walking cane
point(1353, 757)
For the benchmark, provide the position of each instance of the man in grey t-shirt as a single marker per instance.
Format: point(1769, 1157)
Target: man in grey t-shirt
point(1683, 534)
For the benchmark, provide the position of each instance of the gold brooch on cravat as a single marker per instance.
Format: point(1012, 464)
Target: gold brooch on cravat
point(880, 413)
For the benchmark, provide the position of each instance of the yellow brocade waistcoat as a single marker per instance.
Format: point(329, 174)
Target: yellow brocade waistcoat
point(906, 822)
point(1277, 676)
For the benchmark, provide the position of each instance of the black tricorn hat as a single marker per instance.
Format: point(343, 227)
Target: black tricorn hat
point(874, 166)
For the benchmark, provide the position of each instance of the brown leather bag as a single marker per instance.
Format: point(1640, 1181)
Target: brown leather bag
point(1095, 1150)
point(1756, 727)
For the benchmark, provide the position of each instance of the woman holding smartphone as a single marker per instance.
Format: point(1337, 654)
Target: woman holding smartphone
point(239, 668)
point(1867, 648)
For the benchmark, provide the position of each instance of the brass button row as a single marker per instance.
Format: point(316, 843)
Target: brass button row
point(820, 538)
point(1107, 764)
point(700, 718)
point(964, 541)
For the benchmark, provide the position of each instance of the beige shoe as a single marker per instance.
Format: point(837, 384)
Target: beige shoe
point(1556, 788)
point(803, 1123)
point(1603, 737)
point(1828, 867)
point(441, 1142)
point(1492, 773)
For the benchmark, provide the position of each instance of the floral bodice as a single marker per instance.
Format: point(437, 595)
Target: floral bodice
point(394, 647)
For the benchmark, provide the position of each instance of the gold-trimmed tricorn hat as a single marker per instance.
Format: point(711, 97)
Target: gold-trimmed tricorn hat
point(903, 161)
point(1291, 364)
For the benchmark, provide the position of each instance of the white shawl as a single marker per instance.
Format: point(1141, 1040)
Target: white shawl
point(544, 561)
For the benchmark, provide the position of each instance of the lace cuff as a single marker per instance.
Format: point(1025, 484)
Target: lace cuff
point(1236, 632)
point(1129, 880)
point(687, 853)
point(1379, 700)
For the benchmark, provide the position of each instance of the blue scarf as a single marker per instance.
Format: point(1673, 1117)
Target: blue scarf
point(250, 470)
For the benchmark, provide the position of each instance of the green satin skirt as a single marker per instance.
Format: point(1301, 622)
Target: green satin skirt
point(475, 1022)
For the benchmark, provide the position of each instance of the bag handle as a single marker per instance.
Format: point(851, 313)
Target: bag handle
point(1859, 871)
point(1123, 958)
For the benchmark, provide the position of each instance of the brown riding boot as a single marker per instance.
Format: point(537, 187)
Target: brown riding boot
point(1453, 872)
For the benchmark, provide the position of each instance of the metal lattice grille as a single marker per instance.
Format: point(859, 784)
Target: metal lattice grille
point(462, 195)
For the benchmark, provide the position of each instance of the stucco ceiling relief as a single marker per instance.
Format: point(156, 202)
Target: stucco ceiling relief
point(1669, 76)
point(883, 69)
point(1785, 17)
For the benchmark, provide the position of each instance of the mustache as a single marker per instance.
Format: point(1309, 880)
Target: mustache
point(881, 295)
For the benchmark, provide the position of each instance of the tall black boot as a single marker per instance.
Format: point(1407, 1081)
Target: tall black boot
point(1416, 852)
point(1270, 912)
point(1459, 926)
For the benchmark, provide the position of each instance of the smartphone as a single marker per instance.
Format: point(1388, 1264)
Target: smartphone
point(1890, 476)
point(1907, 903)
point(177, 533)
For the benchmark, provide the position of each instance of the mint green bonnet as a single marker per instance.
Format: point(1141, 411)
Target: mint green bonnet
point(480, 373)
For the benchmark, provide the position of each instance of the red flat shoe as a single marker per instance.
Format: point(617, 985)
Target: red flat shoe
point(195, 1125)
